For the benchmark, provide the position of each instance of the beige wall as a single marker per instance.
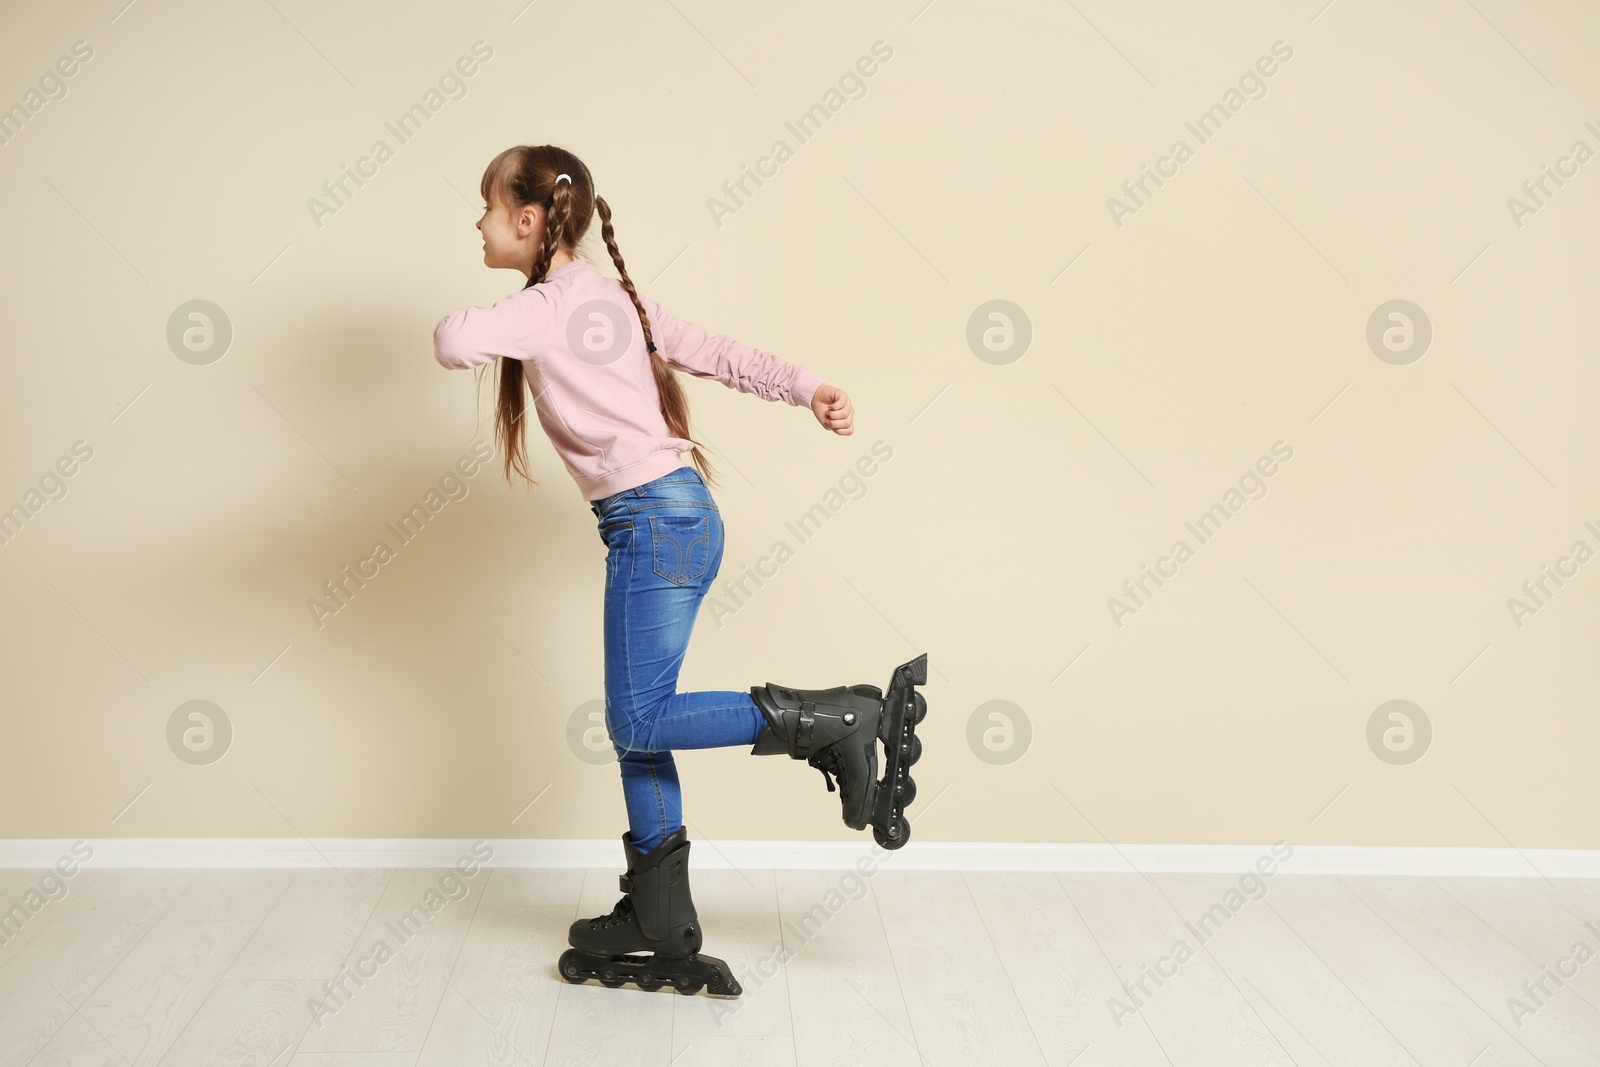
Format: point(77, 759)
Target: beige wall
point(1223, 319)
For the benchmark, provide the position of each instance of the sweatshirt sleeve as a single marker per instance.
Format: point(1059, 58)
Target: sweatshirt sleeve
point(510, 327)
point(750, 370)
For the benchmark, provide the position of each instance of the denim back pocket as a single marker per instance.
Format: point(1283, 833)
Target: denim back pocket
point(681, 546)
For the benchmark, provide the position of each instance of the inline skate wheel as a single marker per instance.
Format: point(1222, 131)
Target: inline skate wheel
point(898, 823)
point(687, 984)
point(919, 708)
point(569, 966)
point(648, 982)
point(912, 750)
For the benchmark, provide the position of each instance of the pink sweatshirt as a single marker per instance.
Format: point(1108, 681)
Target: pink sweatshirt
point(596, 397)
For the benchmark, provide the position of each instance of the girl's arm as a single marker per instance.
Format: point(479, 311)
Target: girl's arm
point(481, 335)
point(749, 370)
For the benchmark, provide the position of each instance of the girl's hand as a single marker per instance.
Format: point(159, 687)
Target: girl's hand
point(832, 408)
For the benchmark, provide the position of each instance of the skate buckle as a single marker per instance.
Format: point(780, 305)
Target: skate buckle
point(625, 883)
point(806, 724)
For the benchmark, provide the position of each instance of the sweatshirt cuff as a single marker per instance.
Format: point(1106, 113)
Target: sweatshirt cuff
point(804, 387)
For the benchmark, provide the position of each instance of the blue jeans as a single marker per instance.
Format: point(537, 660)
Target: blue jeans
point(664, 546)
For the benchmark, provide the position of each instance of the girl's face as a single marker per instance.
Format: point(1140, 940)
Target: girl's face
point(509, 238)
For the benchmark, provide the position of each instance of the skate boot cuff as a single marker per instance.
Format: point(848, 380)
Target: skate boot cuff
point(657, 884)
point(793, 726)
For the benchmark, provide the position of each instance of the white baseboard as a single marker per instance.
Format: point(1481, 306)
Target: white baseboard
point(39, 853)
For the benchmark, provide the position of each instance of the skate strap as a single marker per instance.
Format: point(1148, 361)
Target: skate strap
point(804, 729)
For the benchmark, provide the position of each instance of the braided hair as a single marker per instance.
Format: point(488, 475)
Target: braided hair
point(526, 174)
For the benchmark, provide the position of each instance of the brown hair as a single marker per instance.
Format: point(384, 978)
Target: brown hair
point(526, 174)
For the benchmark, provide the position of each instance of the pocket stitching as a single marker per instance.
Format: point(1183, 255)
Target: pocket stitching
point(685, 552)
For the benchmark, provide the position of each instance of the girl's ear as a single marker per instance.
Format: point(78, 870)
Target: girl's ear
point(528, 220)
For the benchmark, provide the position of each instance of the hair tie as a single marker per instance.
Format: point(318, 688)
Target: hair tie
point(566, 176)
point(652, 345)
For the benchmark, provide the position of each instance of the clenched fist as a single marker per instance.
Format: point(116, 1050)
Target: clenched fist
point(832, 408)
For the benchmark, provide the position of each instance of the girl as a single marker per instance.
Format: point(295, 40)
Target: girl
point(599, 358)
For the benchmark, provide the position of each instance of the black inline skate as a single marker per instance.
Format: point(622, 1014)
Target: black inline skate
point(837, 731)
point(656, 915)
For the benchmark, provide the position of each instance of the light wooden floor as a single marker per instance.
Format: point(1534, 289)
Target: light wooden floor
point(216, 967)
